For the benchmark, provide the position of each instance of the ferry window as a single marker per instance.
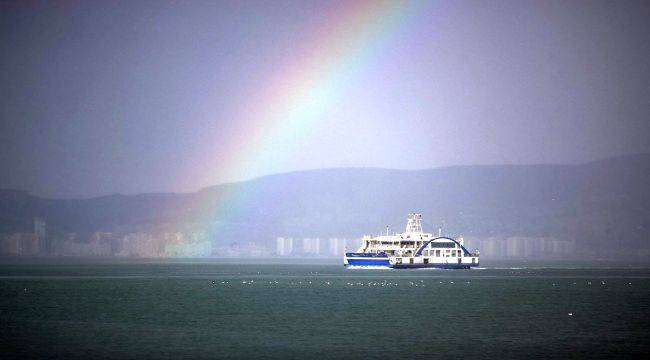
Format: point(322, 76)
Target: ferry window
point(426, 260)
point(411, 260)
point(438, 253)
point(442, 244)
point(458, 253)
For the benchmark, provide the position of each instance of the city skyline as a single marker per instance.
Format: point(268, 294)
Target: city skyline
point(197, 244)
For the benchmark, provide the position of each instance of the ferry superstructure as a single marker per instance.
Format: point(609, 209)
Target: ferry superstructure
point(412, 249)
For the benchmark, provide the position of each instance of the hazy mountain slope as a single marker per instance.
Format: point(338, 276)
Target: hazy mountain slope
point(592, 203)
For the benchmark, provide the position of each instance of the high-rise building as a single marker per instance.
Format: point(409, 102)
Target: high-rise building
point(21, 244)
point(336, 246)
point(311, 246)
point(39, 231)
point(284, 246)
point(39, 227)
point(101, 244)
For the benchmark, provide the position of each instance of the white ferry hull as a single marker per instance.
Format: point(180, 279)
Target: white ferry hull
point(434, 266)
point(361, 260)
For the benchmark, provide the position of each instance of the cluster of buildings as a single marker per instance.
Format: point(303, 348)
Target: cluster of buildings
point(198, 244)
point(332, 247)
point(25, 243)
point(515, 247)
point(20, 244)
point(520, 247)
point(138, 244)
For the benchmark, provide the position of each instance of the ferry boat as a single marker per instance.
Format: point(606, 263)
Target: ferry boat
point(412, 249)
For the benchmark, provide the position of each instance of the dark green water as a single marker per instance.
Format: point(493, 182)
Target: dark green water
point(229, 310)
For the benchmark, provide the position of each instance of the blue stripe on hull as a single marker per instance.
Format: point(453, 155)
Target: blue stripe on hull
point(372, 262)
point(365, 255)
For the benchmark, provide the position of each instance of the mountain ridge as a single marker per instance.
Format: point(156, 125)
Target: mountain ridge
point(586, 203)
point(641, 156)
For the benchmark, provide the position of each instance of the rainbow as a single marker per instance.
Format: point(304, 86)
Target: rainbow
point(294, 102)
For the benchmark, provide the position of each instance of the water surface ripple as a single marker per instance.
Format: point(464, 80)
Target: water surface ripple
point(213, 309)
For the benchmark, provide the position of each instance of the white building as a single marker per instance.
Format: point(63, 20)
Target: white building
point(336, 246)
point(284, 246)
point(311, 246)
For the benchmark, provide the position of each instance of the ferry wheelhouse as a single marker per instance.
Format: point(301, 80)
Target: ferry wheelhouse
point(412, 249)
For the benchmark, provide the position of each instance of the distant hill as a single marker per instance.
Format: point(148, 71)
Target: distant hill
point(604, 203)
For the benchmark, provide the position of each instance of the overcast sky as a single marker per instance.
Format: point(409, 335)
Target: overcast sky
point(102, 97)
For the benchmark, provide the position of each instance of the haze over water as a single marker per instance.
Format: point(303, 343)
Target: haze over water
point(189, 309)
point(160, 96)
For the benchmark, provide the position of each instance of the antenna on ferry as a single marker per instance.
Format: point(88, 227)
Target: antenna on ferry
point(387, 230)
point(439, 232)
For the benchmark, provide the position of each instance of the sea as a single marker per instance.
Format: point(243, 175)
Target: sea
point(232, 309)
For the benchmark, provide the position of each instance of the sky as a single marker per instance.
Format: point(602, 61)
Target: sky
point(104, 97)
